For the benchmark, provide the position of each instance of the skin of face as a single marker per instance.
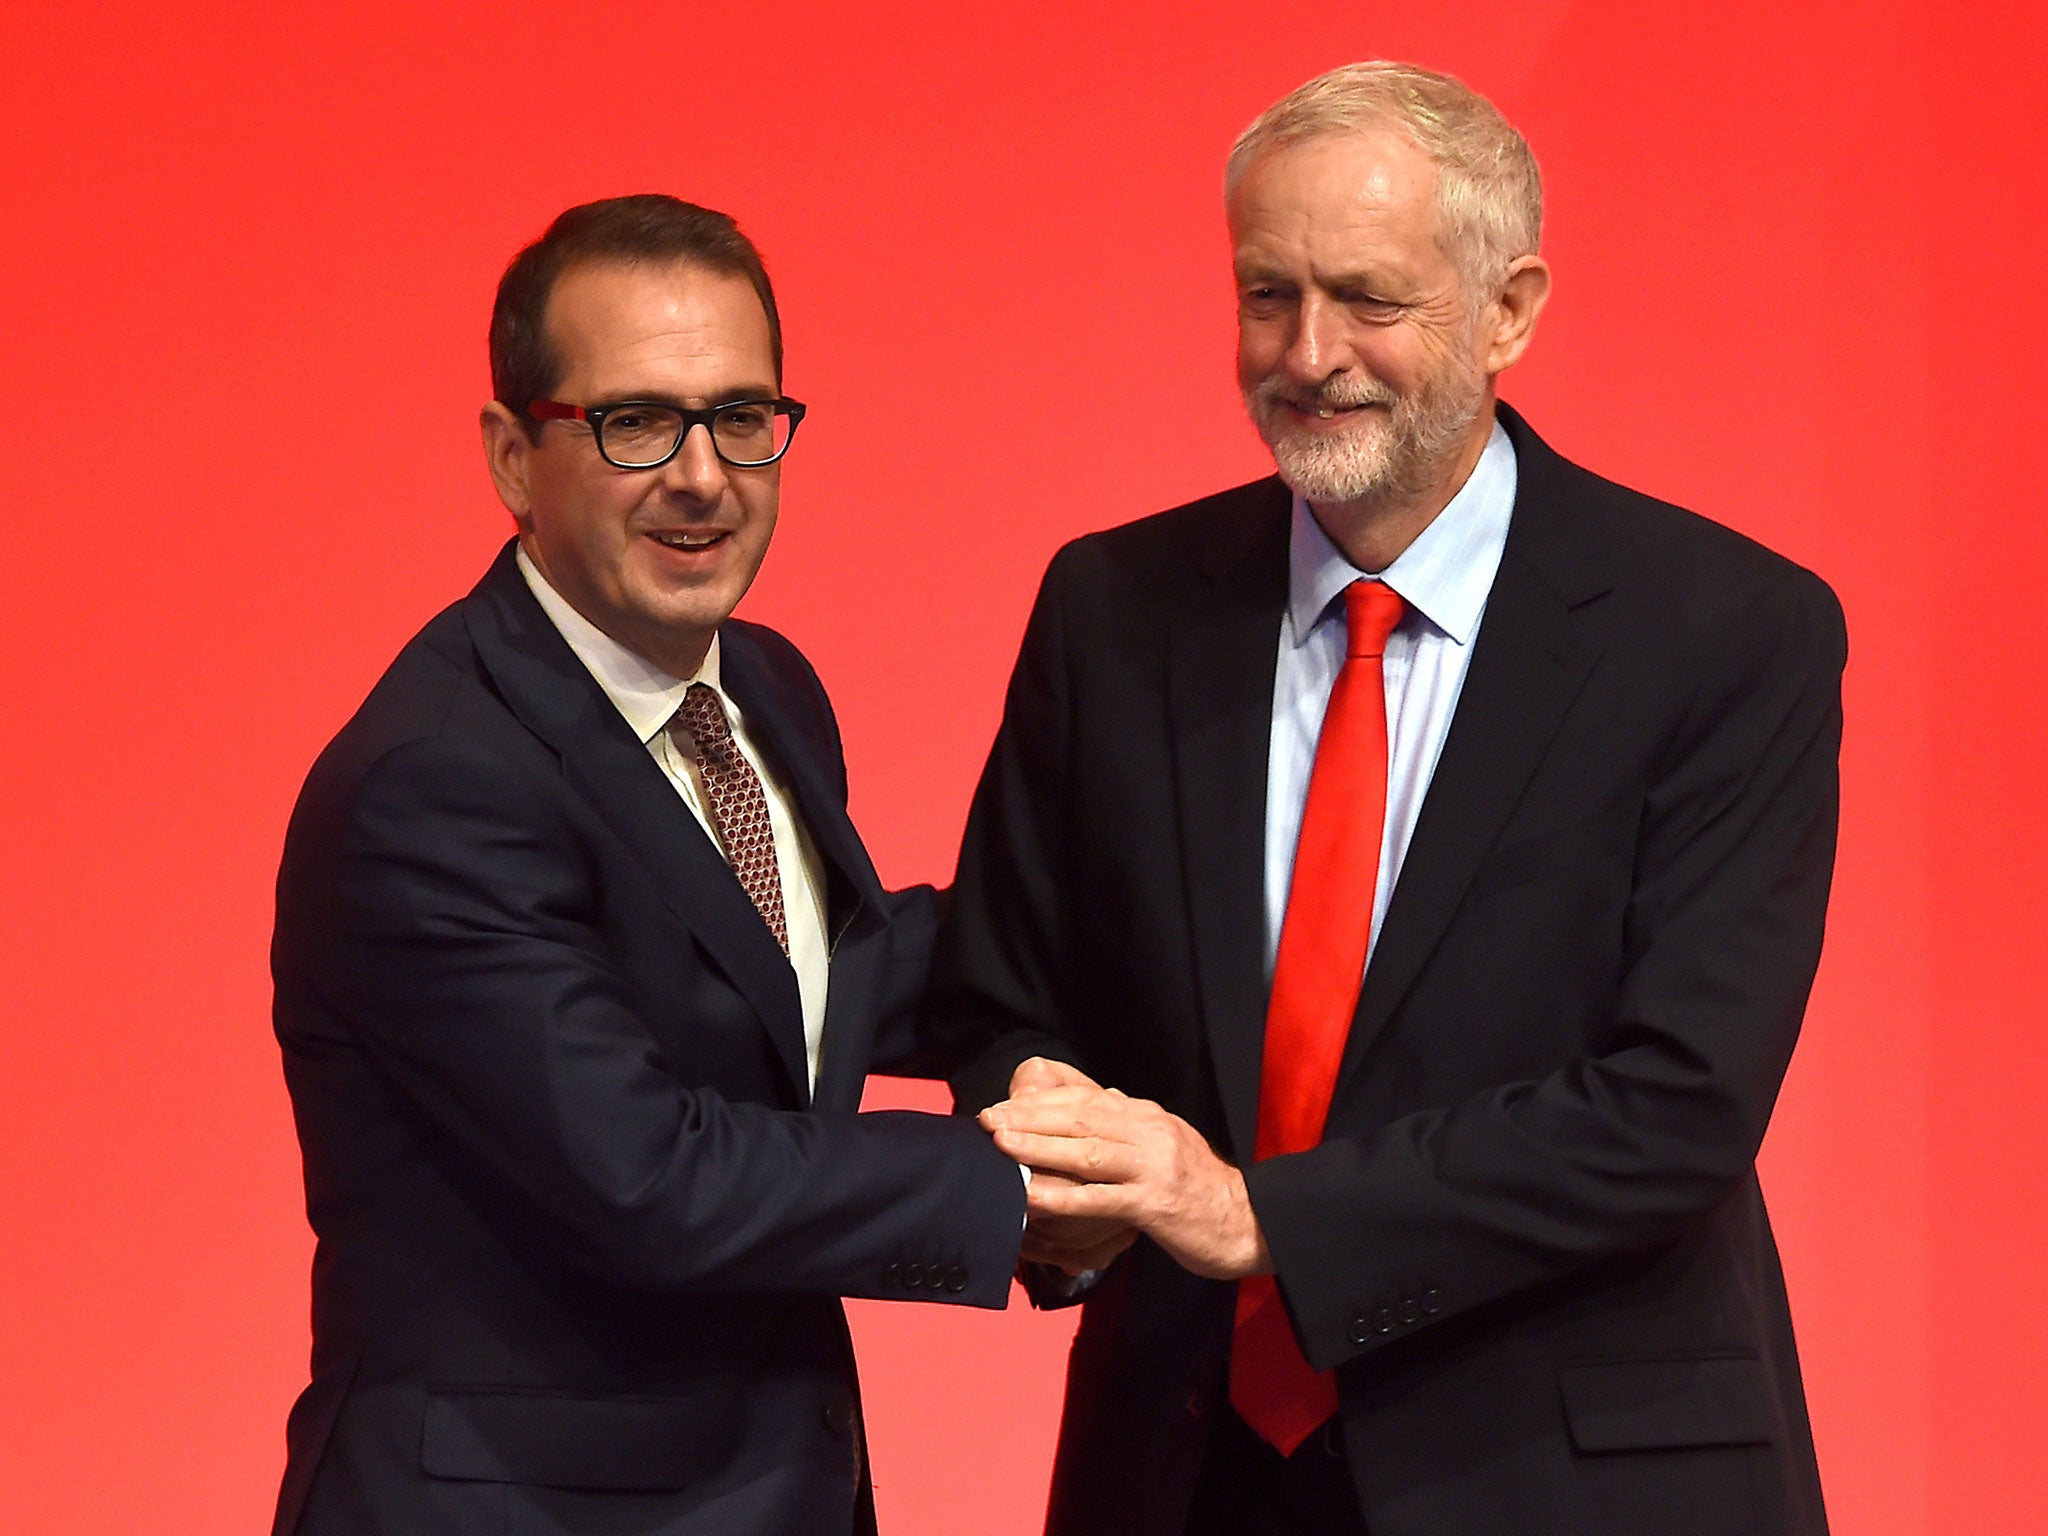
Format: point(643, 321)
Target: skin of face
point(656, 558)
point(1362, 356)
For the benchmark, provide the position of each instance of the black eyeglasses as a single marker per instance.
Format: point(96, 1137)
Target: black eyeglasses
point(646, 434)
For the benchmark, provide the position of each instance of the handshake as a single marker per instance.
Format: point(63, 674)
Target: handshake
point(1106, 1167)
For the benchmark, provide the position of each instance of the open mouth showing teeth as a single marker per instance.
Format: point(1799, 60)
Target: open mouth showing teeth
point(687, 540)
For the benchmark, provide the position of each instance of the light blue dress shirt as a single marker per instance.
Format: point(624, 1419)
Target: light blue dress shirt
point(1444, 576)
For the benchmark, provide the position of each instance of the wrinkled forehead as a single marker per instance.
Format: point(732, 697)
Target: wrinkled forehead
point(1339, 209)
point(1339, 174)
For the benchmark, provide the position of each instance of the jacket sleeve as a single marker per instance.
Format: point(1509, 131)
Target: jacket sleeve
point(1003, 958)
point(467, 964)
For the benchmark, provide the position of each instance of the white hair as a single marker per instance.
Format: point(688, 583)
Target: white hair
point(1489, 195)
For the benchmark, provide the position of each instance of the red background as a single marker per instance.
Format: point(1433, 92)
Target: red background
point(245, 265)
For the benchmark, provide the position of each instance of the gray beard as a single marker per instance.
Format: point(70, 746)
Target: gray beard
point(1385, 458)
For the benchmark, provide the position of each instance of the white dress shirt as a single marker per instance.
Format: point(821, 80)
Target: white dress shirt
point(1444, 576)
point(647, 697)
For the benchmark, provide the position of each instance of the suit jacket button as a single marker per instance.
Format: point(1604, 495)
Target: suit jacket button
point(1411, 1310)
point(1384, 1322)
point(1361, 1331)
point(913, 1275)
point(893, 1275)
point(956, 1278)
point(1432, 1301)
point(839, 1417)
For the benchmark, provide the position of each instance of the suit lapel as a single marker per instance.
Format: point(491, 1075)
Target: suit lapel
point(555, 697)
point(1528, 664)
point(1220, 702)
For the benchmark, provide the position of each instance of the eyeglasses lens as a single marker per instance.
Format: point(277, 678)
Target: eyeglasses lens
point(750, 432)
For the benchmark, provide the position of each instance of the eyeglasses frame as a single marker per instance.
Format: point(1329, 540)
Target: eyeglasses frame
point(594, 415)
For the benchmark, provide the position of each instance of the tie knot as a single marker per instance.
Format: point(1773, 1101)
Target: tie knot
point(1371, 610)
point(702, 714)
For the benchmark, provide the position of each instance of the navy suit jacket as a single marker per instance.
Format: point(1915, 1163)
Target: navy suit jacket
point(1531, 1245)
point(582, 1224)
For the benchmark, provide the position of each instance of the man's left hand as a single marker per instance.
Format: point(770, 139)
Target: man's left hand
point(1130, 1160)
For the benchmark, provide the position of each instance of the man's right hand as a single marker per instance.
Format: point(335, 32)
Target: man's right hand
point(1074, 1244)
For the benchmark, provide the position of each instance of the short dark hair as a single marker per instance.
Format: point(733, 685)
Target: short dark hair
point(646, 228)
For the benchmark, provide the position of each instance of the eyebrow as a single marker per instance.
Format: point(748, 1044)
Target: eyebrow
point(739, 394)
point(1382, 284)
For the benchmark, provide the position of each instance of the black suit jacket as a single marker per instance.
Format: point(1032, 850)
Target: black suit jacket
point(582, 1225)
point(1531, 1244)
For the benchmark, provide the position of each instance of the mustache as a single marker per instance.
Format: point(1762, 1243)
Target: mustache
point(1334, 394)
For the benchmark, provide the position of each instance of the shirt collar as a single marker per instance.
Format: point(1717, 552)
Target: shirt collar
point(1444, 575)
point(641, 691)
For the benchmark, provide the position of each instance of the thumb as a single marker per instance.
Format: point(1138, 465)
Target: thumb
point(1042, 1072)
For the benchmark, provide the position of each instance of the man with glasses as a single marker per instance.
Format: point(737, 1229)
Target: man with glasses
point(580, 968)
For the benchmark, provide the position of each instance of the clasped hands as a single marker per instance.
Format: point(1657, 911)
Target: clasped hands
point(1105, 1167)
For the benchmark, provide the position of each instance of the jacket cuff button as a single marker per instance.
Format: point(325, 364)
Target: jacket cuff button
point(956, 1279)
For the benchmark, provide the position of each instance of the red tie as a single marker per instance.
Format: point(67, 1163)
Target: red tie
point(1323, 943)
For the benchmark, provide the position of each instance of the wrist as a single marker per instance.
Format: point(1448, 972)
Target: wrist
point(1253, 1257)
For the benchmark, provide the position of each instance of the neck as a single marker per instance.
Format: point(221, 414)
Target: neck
point(1373, 530)
point(679, 653)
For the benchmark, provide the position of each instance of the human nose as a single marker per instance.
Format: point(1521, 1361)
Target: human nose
point(1319, 346)
point(696, 470)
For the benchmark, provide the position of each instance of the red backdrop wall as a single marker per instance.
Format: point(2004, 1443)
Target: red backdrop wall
point(245, 265)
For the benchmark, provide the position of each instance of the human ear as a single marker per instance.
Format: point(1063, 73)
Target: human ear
point(1512, 315)
point(508, 454)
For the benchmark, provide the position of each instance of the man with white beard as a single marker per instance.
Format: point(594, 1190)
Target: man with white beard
point(1430, 846)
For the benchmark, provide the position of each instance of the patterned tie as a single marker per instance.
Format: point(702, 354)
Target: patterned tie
point(1323, 943)
point(739, 810)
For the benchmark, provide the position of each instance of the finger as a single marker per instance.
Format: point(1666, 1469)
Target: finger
point(1059, 1124)
point(1087, 1159)
point(1053, 1235)
point(1065, 1096)
point(1076, 1235)
point(1079, 1259)
point(1085, 1097)
point(1065, 1112)
point(1112, 1202)
point(1037, 1073)
point(1070, 1234)
point(1051, 1178)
